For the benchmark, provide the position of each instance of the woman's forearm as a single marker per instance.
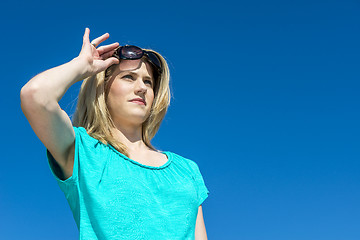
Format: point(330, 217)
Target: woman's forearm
point(51, 85)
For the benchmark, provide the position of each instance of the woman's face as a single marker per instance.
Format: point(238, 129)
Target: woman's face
point(132, 79)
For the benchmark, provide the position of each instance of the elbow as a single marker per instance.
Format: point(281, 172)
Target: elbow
point(27, 93)
point(32, 97)
point(28, 96)
point(29, 90)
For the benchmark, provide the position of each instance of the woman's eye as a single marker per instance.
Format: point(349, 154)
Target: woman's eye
point(128, 76)
point(149, 82)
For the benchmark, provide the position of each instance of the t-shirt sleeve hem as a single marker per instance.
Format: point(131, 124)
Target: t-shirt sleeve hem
point(202, 190)
point(51, 162)
point(203, 197)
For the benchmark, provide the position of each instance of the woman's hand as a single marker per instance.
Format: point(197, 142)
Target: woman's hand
point(98, 59)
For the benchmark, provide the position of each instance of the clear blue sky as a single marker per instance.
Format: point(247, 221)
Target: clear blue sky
point(265, 100)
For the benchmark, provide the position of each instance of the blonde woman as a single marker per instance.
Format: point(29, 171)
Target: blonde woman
point(117, 184)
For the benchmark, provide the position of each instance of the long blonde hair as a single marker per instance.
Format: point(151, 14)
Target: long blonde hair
point(92, 112)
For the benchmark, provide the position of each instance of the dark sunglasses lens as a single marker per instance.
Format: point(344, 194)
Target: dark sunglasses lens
point(131, 52)
point(154, 59)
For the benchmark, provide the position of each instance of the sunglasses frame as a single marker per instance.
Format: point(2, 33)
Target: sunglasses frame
point(148, 54)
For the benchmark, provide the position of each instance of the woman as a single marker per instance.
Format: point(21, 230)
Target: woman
point(117, 184)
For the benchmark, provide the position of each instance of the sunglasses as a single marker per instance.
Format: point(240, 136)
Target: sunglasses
point(131, 52)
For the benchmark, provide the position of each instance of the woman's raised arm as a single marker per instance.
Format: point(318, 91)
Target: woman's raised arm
point(41, 95)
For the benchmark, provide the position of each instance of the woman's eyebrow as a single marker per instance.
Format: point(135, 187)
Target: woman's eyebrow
point(134, 73)
point(125, 71)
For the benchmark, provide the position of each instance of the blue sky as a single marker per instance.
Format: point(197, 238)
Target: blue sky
point(265, 100)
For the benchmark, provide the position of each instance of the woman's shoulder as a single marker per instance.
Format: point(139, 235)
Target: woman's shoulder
point(81, 131)
point(84, 138)
point(180, 158)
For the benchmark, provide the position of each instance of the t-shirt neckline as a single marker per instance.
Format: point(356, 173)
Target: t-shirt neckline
point(167, 153)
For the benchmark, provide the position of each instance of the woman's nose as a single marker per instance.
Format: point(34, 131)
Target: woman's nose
point(140, 86)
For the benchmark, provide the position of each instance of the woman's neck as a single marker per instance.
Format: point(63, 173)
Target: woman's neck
point(131, 136)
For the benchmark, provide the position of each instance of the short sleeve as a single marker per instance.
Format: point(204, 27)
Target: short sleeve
point(203, 191)
point(55, 168)
point(85, 158)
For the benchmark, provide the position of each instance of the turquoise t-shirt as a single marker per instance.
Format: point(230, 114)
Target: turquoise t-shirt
point(114, 197)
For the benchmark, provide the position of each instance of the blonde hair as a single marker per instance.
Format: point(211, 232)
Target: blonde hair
point(93, 114)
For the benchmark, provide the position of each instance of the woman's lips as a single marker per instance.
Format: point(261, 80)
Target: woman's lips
point(138, 102)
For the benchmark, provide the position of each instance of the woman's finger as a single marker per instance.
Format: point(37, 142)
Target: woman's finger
point(111, 61)
point(100, 39)
point(107, 55)
point(107, 48)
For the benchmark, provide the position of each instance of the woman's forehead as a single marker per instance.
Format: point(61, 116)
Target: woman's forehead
point(133, 65)
point(127, 65)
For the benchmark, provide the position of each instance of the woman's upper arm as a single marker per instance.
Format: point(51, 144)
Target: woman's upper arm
point(200, 230)
point(53, 127)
